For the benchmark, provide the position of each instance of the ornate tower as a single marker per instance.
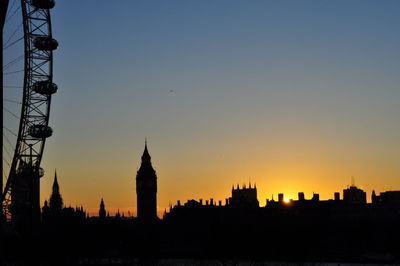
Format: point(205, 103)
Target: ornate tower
point(146, 189)
point(56, 202)
point(102, 211)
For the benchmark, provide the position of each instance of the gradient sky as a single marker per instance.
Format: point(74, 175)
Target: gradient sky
point(293, 95)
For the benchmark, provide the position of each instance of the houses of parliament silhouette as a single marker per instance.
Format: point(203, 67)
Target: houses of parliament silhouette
point(344, 228)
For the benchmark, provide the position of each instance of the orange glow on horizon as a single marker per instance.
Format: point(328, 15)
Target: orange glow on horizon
point(287, 201)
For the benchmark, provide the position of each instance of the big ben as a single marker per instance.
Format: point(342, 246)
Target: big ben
point(146, 189)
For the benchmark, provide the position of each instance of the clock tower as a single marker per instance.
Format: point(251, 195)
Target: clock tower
point(146, 189)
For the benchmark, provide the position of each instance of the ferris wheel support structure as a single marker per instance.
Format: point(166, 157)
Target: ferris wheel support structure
point(21, 195)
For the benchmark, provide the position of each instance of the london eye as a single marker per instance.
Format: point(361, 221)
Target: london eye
point(27, 88)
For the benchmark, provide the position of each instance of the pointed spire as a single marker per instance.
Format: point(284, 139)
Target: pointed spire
point(56, 188)
point(102, 210)
point(146, 155)
point(55, 177)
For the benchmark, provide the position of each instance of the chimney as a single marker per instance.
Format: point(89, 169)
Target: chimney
point(211, 202)
point(201, 201)
point(206, 202)
point(179, 203)
point(220, 203)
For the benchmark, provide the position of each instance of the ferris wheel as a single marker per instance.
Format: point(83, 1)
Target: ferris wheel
point(27, 73)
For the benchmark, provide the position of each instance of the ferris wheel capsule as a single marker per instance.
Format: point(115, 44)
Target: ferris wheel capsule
point(26, 169)
point(38, 171)
point(40, 131)
point(44, 4)
point(45, 43)
point(45, 87)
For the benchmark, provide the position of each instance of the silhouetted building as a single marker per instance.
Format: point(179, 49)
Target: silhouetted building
point(202, 228)
point(387, 197)
point(54, 212)
point(73, 215)
point(56, 202)
point(354, 195)
point(146, 188)
point(244, 197)
point(102, 210)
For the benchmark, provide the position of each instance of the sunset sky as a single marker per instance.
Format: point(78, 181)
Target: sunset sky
point(290, 95)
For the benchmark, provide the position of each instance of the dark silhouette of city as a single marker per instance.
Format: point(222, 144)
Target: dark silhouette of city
point(343, 229)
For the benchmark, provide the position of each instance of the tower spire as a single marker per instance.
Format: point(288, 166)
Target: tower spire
point(56, 202)
point(56, 187)
point(102, 210)
point(146, 155)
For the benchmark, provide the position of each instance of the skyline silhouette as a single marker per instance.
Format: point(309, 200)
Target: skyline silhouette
point(146, 171)
point(345, 229)
point(221, 132)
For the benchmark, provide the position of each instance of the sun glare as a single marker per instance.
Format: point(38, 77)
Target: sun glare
point(286, 200)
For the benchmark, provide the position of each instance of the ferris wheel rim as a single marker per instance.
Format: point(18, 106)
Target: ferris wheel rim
point(35, 107)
